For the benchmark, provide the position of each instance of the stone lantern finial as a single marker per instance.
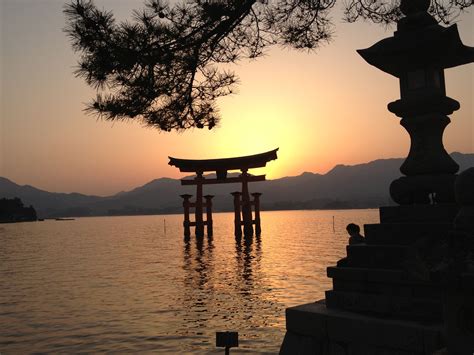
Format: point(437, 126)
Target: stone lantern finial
point(408, 7)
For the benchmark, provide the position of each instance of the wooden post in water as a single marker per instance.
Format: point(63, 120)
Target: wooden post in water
point(186, 222)
point(198, 209)
point(237, 221)
point(209, 214)
point(256, 204)
point(246, 206)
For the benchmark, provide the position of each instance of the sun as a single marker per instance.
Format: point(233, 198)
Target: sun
point(257, 127)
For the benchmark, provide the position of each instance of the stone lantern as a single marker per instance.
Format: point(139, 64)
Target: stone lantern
point(409, 288)
point(417, 54)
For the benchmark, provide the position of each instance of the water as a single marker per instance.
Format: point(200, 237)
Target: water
point(125, 284)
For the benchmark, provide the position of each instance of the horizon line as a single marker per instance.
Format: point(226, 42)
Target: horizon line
point(184, 177)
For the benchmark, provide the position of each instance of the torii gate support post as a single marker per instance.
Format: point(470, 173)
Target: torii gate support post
point(237, 221)
point(256, 204)
point(246, 206)
point(198, 209)
point(209, 214)
point(186, 222)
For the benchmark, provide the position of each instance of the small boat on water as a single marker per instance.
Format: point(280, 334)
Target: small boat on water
point(64, 219)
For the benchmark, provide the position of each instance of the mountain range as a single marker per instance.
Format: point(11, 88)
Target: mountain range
point(356, 186)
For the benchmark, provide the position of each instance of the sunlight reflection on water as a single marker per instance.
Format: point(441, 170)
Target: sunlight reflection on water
point(124, 284)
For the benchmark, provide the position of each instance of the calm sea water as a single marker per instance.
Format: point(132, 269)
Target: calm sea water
point(127, 284)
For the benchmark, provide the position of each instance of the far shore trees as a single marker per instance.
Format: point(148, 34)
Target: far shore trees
point(164, 68)
point(13, 210)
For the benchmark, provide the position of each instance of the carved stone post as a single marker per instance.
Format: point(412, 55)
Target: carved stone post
point(246, 206)
point(256, 203)
point(237, 220)
point(198, 209)
point(209, 214)
point(187, 231)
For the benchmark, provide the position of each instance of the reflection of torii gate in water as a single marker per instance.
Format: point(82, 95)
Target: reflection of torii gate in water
point(241, 199)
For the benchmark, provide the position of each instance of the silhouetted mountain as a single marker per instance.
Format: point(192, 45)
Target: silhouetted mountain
point(48, 204)
point(157, 196)
point(357, 186)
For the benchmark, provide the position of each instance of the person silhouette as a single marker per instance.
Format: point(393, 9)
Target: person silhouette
point(354, 232)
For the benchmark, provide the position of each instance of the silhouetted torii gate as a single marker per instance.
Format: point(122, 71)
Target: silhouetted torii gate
point(242, 201)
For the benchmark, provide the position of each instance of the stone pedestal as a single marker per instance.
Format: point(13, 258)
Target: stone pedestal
point(316, 329)
point(385, 297)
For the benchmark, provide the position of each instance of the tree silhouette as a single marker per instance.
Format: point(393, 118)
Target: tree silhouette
point(165, 66)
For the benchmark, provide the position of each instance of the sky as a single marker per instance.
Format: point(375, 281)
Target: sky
point(321, 109)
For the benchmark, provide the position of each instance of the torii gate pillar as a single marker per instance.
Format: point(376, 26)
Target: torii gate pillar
point(246, 206)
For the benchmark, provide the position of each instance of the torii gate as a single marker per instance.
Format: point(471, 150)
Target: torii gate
point(241, 199)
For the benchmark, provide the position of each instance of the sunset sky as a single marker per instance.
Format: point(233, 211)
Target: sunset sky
point(320, 109)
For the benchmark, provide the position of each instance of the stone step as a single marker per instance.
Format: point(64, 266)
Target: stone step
point(360, 274)
point(440, 213)
point(316, 324)
point(394, 282)
point(405, 233)
point(379, 256)
point(365, 274)
point(405, 289)
point(392, 306)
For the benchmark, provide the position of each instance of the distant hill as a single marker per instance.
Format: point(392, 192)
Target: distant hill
point(47, 203)
point(356, 186)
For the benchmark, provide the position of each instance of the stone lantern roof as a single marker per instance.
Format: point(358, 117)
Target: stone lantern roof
point(419, 42)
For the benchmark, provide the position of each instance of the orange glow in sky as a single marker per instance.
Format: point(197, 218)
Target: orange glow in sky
point(320, 109)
